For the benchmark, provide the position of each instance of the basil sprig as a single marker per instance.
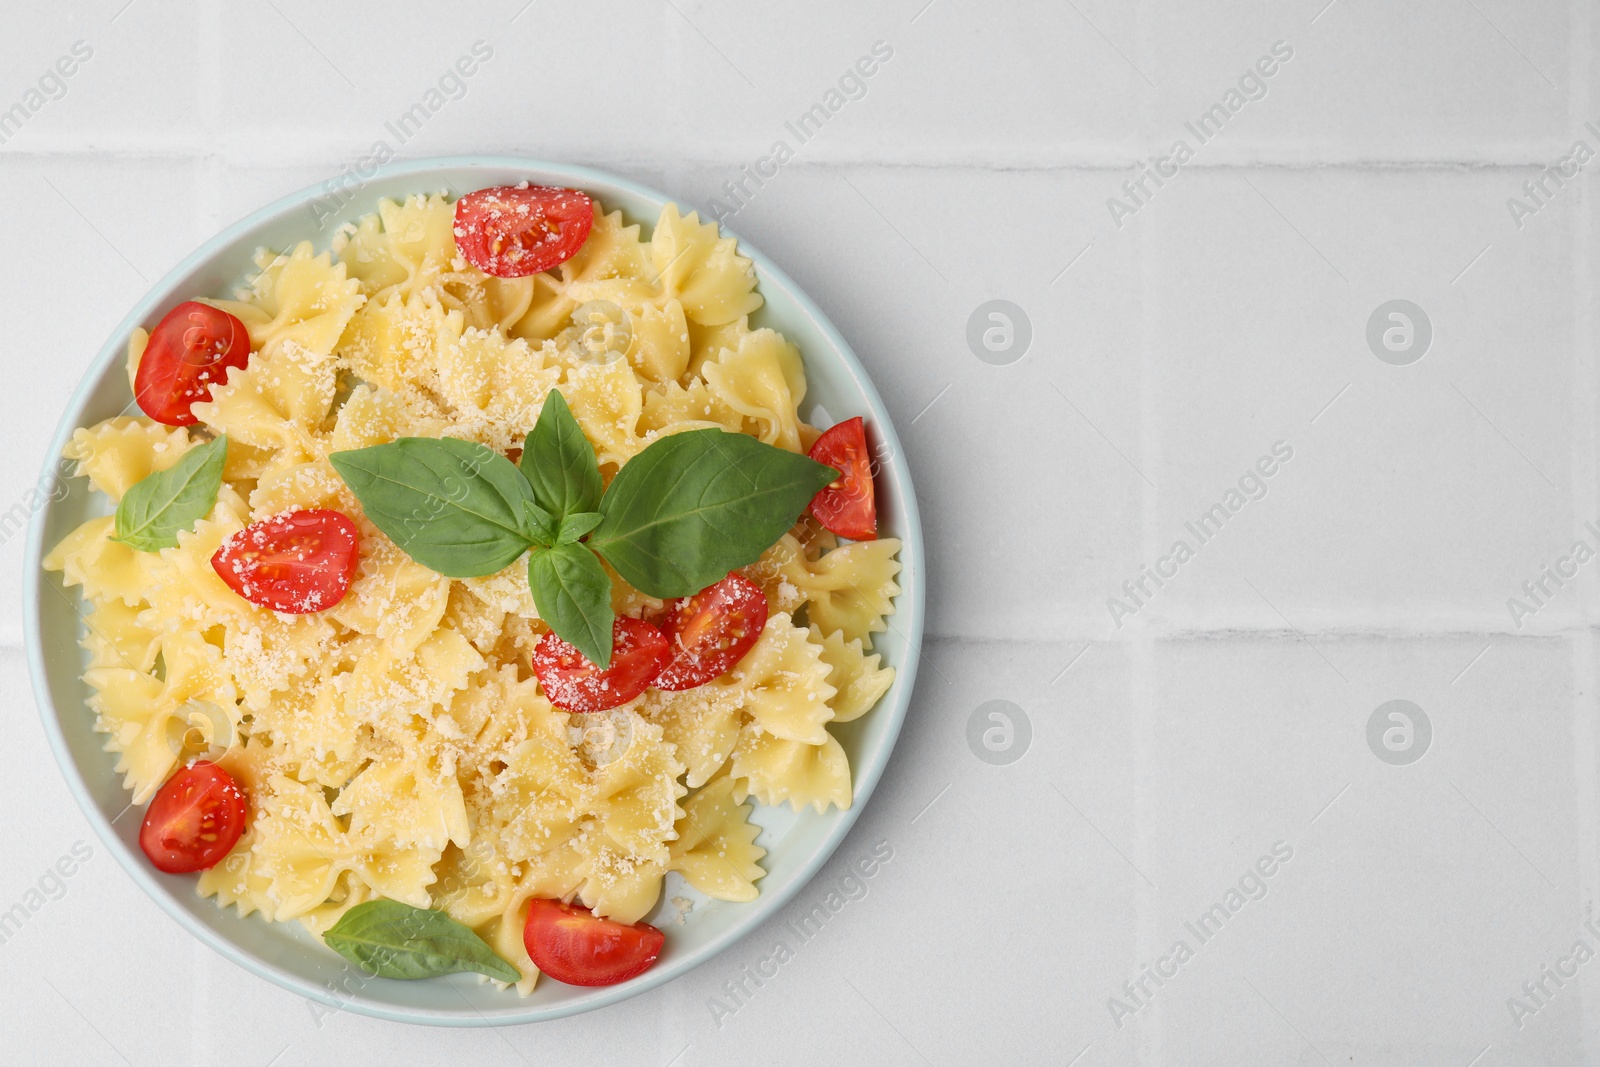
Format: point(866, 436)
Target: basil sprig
point(393, 940)
point(157, 507)
point(679, 516)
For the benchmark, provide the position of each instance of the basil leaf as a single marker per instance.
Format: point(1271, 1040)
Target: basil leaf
point(559, 461)
point(394, 940)
point(153, 511)
point(573, 594)
point(539, 524)
point(455, 507)
point(575, 526)
point(693, 506)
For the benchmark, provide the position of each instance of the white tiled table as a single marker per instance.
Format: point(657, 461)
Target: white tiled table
point(1225, 716)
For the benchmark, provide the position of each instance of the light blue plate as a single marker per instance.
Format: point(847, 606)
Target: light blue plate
point(797, 845)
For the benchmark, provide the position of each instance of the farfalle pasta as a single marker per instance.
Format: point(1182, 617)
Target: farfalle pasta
point(398, 745)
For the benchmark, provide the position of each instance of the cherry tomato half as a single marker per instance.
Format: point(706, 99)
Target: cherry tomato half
point(711, 631)
point(847, 505)
point(296, 563)
point(575, 946)
point(515, 230)
point(573, 682)
point(194, 821)
point(190, 350)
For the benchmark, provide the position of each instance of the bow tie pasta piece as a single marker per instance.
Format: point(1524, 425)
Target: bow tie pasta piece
point(659, 347)
point(775, 771)
point(392, 598)
point(504, 935)
point(859, 681)
point(612, 265)
point(761, 379)
point(488, 720)
point(121, 452)
point(475, 884)
point(300, 486)
point(406, 802)
point(672, 408)
point(265, 652)
point(784, 681)
point(301, 851)
point(394, 343)
point(311, 727)
point(235, 882)
point(420, 239)
point(476, 619)
point(849, 590)
point(106, 569)
point(494, 387)
point(716, 850)
point(348, 891)
point(538, 800)
point(616, 883)
point(606, 400)
point(702, 271)
point(635, 796)
point(701, 724)
point(386, 689)
point(506, 589)
point(140, 710)
point(116, 638)
point(278, 401)
point(371, 416)
point(298, 297)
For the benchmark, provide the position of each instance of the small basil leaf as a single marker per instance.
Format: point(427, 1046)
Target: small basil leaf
point(573, 594)
point(693, 506)
point(575, 526)
point(559, 461)
point(539, 524)
point(455, 507)
point(153, 511)
point(394, 940)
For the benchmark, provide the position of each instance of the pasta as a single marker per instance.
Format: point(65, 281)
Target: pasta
point(397, 744)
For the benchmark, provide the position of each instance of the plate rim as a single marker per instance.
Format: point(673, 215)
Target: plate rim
point(909, 613)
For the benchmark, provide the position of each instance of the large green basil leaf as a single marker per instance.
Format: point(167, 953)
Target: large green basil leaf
point(572, 591)
point(456, 507)
point(154, 510)
point(559, 461)
point(693, 506)
point(394, 940)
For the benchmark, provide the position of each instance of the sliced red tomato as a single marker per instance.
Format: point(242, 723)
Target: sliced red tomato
point(573, 945)
point(574, 682)
point(296, 563)
point(711, 631)
point(189, 351)
point(515, 230)
point(847, 505)
point(194, 820)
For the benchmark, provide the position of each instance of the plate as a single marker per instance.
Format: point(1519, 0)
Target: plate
point(285, 953)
